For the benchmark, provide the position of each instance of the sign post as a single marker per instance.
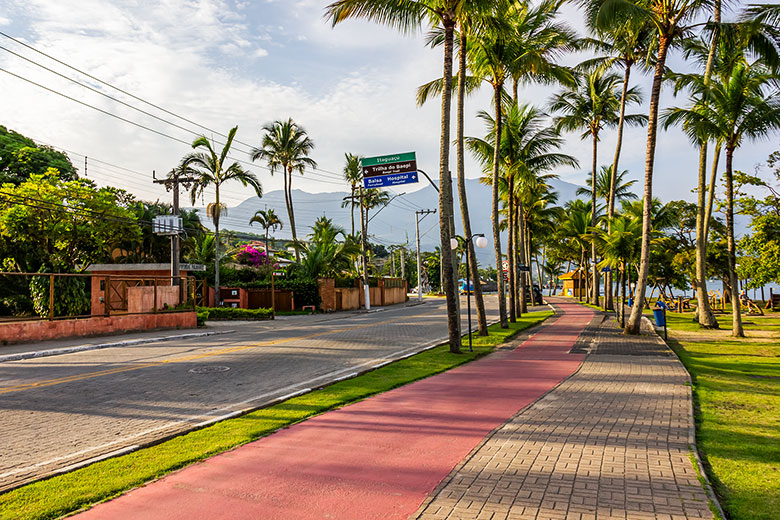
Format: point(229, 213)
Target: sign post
point(389, 170)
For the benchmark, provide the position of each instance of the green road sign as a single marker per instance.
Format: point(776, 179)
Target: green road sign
point(387, 159)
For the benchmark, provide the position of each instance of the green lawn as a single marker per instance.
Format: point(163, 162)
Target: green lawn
point(66, 493)
point(737, 400)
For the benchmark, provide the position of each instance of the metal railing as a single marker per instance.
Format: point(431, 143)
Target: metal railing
point(59, 296)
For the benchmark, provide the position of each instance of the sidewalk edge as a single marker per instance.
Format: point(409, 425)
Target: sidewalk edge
point(83, 348)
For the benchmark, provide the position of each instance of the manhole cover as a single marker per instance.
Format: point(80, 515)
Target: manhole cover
point(208, 369)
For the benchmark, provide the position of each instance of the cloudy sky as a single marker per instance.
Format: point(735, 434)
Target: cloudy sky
point(219, 63)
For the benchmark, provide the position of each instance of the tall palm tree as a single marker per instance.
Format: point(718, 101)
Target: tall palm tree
point(354, 176)
point(619, 245)
point(609, 186)
point(286, 145)
point(746, 106)
point(576, 229)
point(268, 219)
point(668, 17)
point(408, 16)
point(211, 170)
point(593, 104)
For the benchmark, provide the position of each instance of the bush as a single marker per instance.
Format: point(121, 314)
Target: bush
point(230, 313)
point(71, 297)
point(203, 316)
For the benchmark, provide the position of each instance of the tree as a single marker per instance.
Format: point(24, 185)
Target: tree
point(286, 145)
point(668, 18)
point(323, 256)
point(608, 186)
point(20, 158)
point(354, 176)
point(407, 16)
point(593, 104)
point(48, 224)
point(268, 220)
point(743, 107)
point(211, 170)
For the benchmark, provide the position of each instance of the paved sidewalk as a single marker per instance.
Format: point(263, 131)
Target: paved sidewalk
point(379, 458)
point(611, 442)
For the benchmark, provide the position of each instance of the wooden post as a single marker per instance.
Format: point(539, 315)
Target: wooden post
point(273, 297)
point(51, 297)
point(107, 297)
point(154, 307)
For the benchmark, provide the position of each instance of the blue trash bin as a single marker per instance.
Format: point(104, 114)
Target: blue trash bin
point(660, 318)
point(630, 302)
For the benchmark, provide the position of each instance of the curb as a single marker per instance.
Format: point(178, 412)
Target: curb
point(82, 348)
point(692, 426)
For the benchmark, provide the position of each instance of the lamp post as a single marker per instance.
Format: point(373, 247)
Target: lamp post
point(481, 242)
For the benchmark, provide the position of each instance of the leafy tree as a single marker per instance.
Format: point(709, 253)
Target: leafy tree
point(286, 145)
point(20, 158)
point(211, 169)
point(48, 224)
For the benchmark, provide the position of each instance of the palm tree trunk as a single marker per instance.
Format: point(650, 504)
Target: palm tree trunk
point(352, 209)
point(291, 211)
point(595, 282)
point(521, 254)
point(581, 269)
point(516, 252)
point(711, 191)
point(510, 247)
point(216, 246)
point(703, 311)
point(613, 176)
point(632, 327)
point(494, 215)
point(445, 191)
point(736, 314)
point(464, 206)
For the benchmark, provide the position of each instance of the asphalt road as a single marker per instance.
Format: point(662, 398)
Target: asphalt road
point(66, 410)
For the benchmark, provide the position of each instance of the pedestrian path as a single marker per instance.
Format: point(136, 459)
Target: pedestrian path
point(379, 458)
point(612, 442)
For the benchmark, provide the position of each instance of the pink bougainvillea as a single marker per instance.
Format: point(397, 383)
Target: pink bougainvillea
point(247, 254)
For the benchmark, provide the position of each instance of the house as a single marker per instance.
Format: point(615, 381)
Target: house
point(573, 283)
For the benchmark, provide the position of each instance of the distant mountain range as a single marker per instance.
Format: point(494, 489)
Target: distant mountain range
point(394, 224)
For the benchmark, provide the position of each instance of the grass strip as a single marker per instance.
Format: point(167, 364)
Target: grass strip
point(736, 391)
point(63, 494)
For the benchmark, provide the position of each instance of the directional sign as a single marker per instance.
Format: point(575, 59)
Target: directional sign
point(524, 268)
point(389, 170)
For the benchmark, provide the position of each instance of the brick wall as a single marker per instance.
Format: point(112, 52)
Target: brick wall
point(23, 331)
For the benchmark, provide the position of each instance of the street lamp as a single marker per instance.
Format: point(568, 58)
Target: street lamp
point(481, 242)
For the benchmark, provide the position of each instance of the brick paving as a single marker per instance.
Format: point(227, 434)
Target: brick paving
point(611, 442)
point(67, 409)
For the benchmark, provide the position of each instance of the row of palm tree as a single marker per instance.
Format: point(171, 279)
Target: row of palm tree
point(503, 41)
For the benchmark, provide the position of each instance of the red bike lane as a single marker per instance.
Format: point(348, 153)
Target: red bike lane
point(378, 458)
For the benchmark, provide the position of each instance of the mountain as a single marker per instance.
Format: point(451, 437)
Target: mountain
point(393, 224)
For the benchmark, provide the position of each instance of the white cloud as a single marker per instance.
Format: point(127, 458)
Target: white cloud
point(260, 53)
point(4, 21)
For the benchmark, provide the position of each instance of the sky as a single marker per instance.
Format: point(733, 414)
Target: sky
point(221, 63)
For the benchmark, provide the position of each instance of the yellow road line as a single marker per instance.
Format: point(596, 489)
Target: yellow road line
point(229, 350)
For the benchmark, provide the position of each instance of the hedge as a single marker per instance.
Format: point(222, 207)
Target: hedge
point(230, 313)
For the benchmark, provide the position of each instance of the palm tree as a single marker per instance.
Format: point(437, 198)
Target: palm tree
point(591, 105)
point(354, 176)
point(408, 16)
point(668, 17)
point(209, 167)
point(268, 219)
point(619, 246)
point(575, 228)
point(620, 189)
point(373, 198)
point(285, 145)
point(731, 111)
point(323, 256)
point(528, 150)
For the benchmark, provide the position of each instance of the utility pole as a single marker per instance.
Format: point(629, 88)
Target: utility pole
point(175, 178)
point(417, 220)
